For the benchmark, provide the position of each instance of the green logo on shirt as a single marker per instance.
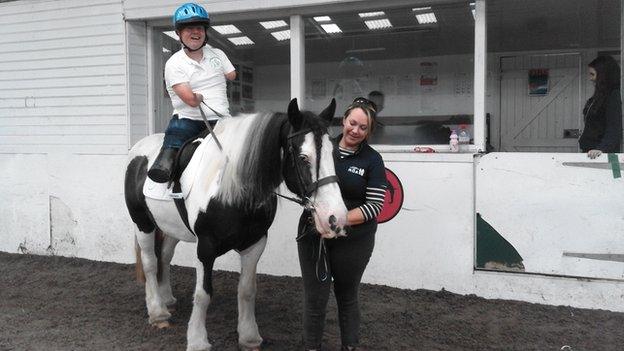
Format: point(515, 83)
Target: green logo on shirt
point(215, 62)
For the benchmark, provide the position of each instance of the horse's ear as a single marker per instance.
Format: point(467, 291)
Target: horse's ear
point(329, 111)
point(294, 116)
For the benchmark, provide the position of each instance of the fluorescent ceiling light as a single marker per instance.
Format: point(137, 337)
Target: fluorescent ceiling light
point(239, 41)
point(428, 8)
point(378, 24)
point(355, 51)
point(371, 14)
point(426, 18)
point(226, 29)
point(281, 35)
point(171, 34)
point(273, 24)
point(331, 28)
point(322, 19)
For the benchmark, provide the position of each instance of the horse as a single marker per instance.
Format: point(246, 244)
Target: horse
point(229, 189)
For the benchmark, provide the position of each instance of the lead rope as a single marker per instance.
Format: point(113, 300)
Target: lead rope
point(322, 256)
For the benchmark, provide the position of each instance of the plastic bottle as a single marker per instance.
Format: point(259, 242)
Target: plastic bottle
point(464, 138)
point(454, 142)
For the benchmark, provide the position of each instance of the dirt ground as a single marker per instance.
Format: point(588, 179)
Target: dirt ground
point(57, 303)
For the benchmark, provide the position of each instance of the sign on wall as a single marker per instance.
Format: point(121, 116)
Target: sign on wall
point(538, 82)
point(393, 200)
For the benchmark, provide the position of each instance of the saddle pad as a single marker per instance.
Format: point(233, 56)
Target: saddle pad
point(157, 191)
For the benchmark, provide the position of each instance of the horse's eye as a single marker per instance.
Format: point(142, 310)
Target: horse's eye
point(304, 158)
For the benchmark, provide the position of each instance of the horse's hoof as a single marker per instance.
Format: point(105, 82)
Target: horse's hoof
point(263, 345)
point(161, 325)
point(199, 348)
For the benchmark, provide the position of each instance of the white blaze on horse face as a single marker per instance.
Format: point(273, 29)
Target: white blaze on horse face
point(330, 215)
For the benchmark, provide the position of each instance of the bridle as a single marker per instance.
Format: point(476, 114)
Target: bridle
point(305, 192)
point(321, 265)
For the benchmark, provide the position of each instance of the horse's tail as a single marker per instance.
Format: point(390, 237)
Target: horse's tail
point(138, 266)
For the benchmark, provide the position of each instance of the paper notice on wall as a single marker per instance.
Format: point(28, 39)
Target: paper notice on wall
point(428, 76)
point(462, 84)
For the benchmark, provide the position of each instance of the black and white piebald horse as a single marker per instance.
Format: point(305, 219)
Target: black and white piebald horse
point(229, 193)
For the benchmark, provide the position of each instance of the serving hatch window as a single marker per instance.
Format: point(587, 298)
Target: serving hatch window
point(539, 51)
point(416, 62)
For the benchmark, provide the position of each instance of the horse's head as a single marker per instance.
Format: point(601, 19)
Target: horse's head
point(308, 168)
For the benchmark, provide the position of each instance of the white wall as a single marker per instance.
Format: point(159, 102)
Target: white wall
point(67, 205)
point(63, 74)
point(551, 205)
point(430, 244)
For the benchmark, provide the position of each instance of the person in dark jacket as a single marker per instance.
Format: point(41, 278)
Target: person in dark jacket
point(362, 179)
point(602, 114)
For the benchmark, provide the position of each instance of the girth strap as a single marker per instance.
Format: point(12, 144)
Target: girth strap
point(181, 206)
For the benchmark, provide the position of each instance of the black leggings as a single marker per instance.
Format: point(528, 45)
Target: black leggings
point(347, 258)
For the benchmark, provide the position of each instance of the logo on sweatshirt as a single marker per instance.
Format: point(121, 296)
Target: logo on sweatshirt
point(356, 170)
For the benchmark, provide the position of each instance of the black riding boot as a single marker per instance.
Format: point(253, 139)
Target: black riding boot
point(160, 172)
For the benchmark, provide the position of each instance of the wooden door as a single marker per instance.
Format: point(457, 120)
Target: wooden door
point(540, 123)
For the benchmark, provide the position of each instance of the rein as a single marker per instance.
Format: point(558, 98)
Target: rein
point(214, 136)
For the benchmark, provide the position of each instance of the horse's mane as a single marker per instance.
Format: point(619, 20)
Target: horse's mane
point(254, 168)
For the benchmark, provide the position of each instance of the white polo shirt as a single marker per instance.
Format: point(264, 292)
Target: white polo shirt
point(206, 77)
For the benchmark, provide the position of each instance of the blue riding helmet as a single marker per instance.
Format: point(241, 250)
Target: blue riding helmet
point(190, 13)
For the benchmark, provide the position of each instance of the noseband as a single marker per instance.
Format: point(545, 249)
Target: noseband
point(305, 192)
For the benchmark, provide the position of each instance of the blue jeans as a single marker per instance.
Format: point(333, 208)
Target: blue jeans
point(180, 130)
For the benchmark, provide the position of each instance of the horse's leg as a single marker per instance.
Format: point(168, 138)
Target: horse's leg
point(196, 334)
point(156, 309)
point(164, 286)
point(248, 335)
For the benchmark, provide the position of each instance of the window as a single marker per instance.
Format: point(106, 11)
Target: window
point(418, 61)
point(541, 49)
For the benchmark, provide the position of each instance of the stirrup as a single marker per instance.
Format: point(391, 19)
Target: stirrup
point(160, 172)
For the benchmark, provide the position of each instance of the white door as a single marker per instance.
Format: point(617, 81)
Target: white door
point(540, 123)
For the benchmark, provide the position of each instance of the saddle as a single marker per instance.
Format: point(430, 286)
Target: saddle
point(184, 156)
point(179, 165)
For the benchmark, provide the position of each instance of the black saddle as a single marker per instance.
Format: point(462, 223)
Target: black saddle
point(185, 154)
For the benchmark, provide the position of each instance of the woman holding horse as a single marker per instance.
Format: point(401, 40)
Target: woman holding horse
point(361, 174)
point(194, 74)
point(603, 111)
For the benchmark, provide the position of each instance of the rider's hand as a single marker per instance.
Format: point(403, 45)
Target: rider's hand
point(594, 153)
point(198, 97)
